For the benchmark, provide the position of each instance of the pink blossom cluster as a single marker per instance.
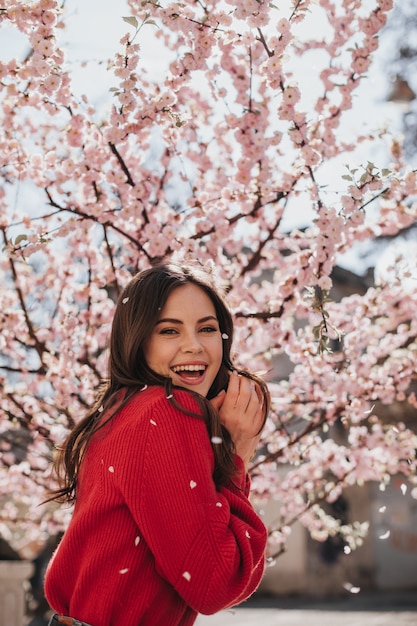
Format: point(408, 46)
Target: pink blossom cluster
point(205, 164)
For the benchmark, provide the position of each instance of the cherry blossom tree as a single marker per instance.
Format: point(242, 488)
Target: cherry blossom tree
point(246, 129)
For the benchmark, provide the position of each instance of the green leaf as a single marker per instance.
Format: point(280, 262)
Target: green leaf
point(132, 21)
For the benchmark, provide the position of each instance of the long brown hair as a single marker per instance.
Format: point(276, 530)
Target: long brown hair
point(136, 313)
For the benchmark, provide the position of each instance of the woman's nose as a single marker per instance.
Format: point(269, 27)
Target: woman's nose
point(191, 343)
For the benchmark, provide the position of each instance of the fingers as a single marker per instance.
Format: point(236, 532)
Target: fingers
point(248, 399)
point(239, 392)
point(218, 400)
point(241, 412)
point(232, 395)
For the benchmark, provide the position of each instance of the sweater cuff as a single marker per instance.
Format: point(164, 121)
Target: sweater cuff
point(242, 479)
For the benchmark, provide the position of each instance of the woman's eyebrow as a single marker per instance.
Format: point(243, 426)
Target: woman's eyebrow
point(172, 320)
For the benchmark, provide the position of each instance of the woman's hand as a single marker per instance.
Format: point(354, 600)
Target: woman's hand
point(241, 413)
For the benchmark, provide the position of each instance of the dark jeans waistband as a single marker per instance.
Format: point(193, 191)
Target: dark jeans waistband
point(65, 621)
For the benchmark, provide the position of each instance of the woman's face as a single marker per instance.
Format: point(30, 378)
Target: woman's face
point(186, 342)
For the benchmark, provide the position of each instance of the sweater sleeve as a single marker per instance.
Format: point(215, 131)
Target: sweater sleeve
point(208, 543)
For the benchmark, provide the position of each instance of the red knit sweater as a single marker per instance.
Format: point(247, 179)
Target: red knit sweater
point(152, 542)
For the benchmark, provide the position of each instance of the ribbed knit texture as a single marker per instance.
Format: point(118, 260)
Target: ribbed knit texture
point(151, 541)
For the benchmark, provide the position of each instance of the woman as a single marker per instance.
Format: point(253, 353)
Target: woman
point(162, 527)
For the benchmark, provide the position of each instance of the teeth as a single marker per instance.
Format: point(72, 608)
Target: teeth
point(188, 368)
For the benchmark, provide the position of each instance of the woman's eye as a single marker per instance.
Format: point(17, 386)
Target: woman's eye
point(209, 329)
point(167, 331)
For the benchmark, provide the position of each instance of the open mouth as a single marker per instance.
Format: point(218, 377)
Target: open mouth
point(189, 372)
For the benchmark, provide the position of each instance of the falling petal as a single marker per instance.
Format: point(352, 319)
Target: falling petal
point(347, 550)
point(144, 387)
point(153, 422)
point(187, 576)
point(247, 534)
point(137, 540)
point(216, 440)
point(351, 588)
point(369, 411)
point(219, 504)
point(382, 509)
point(385, 535)
point(100, 409)
point(170, 396)
point(111, 469)
point(124, 571)
point(403, 489)
point(193, 484)
point(225, 336)
point(270, 562)
point(125, 300)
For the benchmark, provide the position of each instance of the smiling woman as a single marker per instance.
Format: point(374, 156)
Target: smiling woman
point(162, 527)
point(186, 343)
